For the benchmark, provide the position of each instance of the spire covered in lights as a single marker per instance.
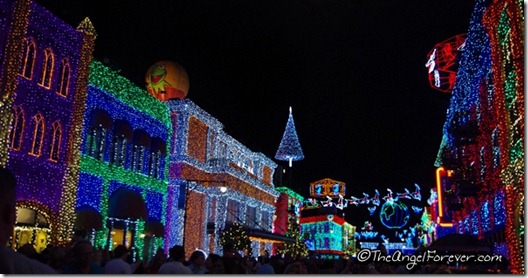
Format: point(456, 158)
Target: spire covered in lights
point(290, 147)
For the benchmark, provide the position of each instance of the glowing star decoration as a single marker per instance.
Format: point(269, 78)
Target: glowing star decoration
point(167, 80)
point(290, 147)
point(443, 63)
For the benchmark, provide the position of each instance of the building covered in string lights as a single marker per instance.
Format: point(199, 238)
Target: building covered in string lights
point(323, 224)
point(94, 153)
point(287, 213)
point(480, 179)
point(44, 78)
point(215, 181)
point(123, 163)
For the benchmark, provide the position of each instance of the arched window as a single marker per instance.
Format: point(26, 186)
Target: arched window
point(101, 123)
point(118, 150)
point(121, 136)
point(47, 68)
point(158, 150)
point(97, 141)
point(32, 226)
point(140, 144)
point(38, 134)
point(17, 130)
point(56, 141)
point(30, 53)
point(138, 157)
point(64, 83)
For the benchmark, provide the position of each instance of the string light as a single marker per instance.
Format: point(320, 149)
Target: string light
point(32, 20)
point(123, 101)
point(442, 63)
point(11, 64)
point(287, 212)
point(298, 246)
point(504, 22)
point(490, 83)
point(485, 217)
point(326, 233)
point(238, 238)
point(290, 147)
point(201, 150)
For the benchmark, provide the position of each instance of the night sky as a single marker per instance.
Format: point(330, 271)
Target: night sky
point(353, 71)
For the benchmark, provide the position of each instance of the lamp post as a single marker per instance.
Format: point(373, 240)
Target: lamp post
point(223, 189)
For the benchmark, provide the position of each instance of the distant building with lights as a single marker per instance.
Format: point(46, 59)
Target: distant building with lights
point(43, 83)
point(480, 175)
point(323, 225)
point(203, 159)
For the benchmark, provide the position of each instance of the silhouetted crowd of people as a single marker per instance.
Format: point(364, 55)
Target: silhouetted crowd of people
point(80, 257)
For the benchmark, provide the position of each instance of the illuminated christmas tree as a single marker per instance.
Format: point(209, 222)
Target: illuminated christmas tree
point(290, 148)
point(298, 247)
point(236, 237)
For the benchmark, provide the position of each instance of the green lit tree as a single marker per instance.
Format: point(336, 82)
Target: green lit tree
point(236, 237)
point(298, 247)
point(351, 248)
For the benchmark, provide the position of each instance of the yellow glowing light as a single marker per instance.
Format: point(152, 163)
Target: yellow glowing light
point(439, 191)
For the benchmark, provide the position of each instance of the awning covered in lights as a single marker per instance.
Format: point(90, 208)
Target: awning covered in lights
point(265, 236)
point(126, 203)
point(86, 217)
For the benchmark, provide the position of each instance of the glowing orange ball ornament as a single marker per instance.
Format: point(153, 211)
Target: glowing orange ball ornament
point(167, 80)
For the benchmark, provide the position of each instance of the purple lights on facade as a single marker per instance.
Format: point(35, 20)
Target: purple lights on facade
point(41, 177)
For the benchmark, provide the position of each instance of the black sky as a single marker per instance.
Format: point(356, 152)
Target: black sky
point(353, 70)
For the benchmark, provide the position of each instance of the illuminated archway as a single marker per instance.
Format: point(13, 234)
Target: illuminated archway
point(34, 224)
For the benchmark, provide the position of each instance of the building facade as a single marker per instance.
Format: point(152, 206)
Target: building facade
point(96, 155)
point(44, 80)
point(124, 163)
point(215, 181)
point(480, 179)
point(323, 225)
point(287, 213)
